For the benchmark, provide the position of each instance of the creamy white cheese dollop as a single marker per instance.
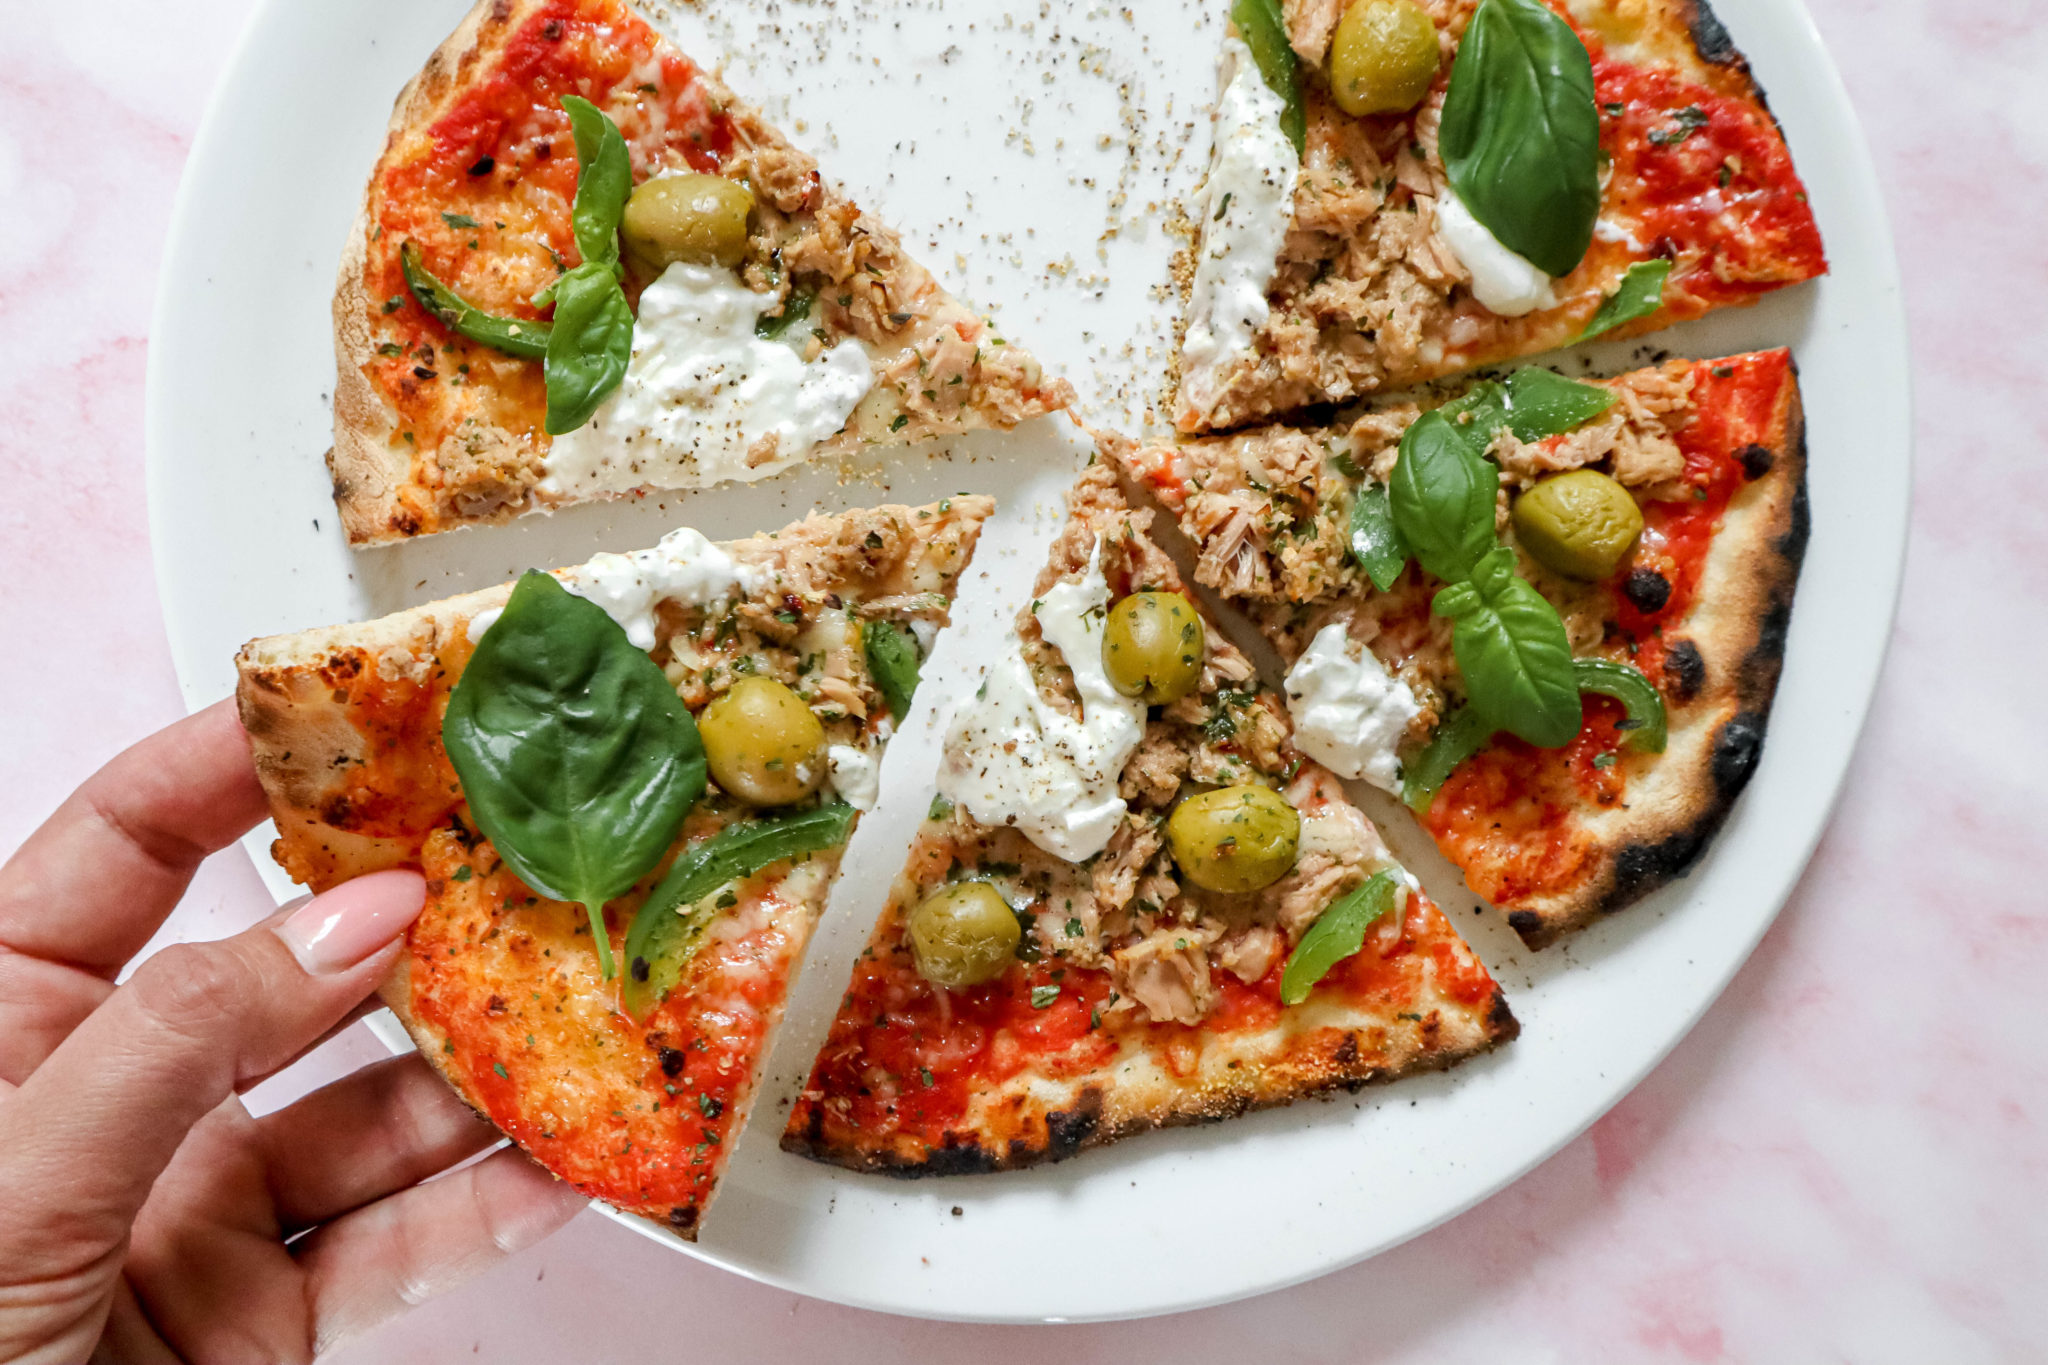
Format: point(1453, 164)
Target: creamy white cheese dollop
point(1349, 712)
point(855, 774)
point(1249, 203)
point(701, 391)
point(1505, 283)
point(1011, 758)
point(684, 567)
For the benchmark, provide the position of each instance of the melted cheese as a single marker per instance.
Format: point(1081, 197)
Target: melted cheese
point(1349, 712)
point(1505, 283)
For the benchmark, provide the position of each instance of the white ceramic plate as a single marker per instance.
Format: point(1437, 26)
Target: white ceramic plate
point(1031, 162)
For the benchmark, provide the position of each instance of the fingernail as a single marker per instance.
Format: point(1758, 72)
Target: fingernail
point(334, 931)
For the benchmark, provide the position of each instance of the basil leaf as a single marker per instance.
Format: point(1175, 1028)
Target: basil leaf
point(1338, 933)
point(590, 346)
point(1543, 404)
point(671, 922)
point(1513, 653)
point(577, 758)
point(1264, 30)
point(1637, 694)
point(1478, 413)
point(1640, 293)
point(892, 660)
point(514, 336)
point(795, 309)
point(604, 179)
point(1456, 740)
point(1443, 494)
point(1376, 543)
point(1520, 136)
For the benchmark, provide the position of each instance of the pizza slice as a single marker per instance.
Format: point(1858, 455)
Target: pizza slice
point(1550, 614)
point(1401, 191)
point(540, 752)
point(1135, 904)
point(584, 268)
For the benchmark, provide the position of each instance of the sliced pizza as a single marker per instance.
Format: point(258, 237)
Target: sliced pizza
point(1401, 191)
point(628, 785)
point(1550, 614)
point(584, 268)
point(1135, 903)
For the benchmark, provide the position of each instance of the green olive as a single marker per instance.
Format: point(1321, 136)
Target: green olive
point(762, 743)
point(963, 935)
point(1580, 524)
point(1234, 838)
point(1383, 57)
point(701, 219)
point(1152, 647)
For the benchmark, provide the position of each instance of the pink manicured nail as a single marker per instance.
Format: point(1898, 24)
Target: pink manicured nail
point(335, 931)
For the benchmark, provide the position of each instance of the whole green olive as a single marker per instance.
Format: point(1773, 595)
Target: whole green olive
point(963, 935)
point(1152, 647)
point(1580, 524)
point(762, 744)
point(697, 218)
point(1234, 838)
point(1382, 57)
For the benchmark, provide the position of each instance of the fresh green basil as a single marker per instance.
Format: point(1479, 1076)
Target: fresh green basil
point(515, 336)
point(1637, 694)
point(671, 922)
point(795, 309)
point(1376, 542)
point(577, 758)
point(892, 662)
point(1443, 495)
point(1264, 30)
point(1456, 740)
point(1640, 293)
point(1520, 136)
point(1338, 933)
point(1513, 653)
point(1542, 404)
point(604, 179)
point(590, 347)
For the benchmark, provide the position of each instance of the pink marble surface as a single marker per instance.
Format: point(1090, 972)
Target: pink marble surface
point(1831, 1166)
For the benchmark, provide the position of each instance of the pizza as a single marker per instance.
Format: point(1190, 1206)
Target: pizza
point(628, 785)
point(1633, 550)
point(583, 268)
point(1135, 903)
point(1401, 191)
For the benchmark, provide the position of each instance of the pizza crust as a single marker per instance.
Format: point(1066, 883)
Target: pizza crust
point(1738, 627)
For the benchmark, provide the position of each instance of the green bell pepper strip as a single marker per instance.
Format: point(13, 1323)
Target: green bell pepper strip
point(1638, 695)
point(671, 922)
point(1456, 740)
point(892, 660)
point(1338, 933)
point(1264, 30)
point(527, 337)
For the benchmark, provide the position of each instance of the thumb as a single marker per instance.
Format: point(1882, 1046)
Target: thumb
point(90, 1130)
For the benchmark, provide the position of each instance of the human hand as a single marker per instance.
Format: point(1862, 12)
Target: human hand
point(145, 1215)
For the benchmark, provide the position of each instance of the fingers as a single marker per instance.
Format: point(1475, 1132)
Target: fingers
point(381, 1129)
point(379, 1261)
point(91, 885)
point(91, 1129)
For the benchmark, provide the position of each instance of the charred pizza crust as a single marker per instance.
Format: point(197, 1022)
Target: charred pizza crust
point(499, 988)
point(434, 432)
point(1727, 661)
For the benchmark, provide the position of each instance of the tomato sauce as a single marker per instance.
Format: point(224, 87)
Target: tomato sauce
point(1704, 180)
